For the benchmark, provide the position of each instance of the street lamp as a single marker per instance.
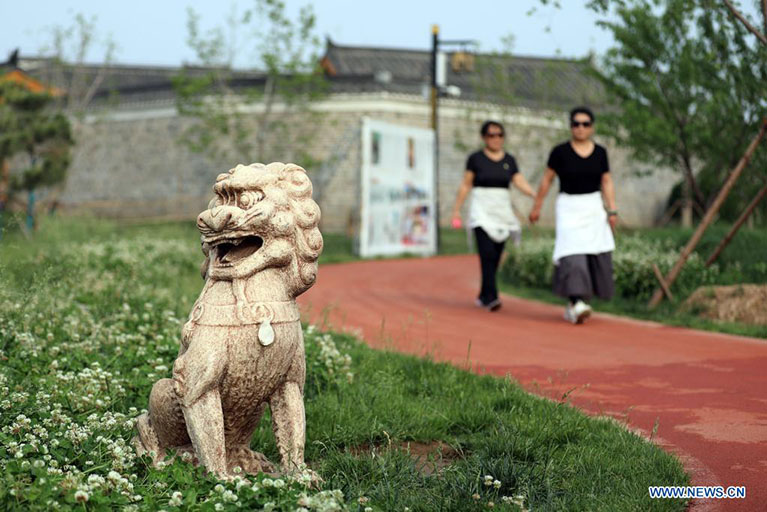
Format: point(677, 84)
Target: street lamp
point(439, 88)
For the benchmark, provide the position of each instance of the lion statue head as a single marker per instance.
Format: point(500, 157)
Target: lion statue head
point(263, 216)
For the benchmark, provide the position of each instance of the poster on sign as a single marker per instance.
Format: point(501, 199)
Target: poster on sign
point(397, 214)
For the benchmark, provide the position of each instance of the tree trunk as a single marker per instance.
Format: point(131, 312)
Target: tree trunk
point(686, 204)
point(31, 210)
point(5, 182)
point(263, 123)
point(709, 216)
point(745, 216)
point(5, 179)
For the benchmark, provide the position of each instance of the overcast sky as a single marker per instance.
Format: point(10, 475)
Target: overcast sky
point(154, 32)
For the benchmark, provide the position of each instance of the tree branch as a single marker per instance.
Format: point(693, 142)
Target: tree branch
point(745, 22)
point(764, 14)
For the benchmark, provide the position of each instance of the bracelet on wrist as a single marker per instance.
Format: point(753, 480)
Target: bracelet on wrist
point(611, 213)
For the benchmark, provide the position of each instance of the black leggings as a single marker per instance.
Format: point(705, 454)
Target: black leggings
point(489, 257)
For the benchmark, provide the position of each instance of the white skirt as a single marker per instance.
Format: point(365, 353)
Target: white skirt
point(490, 209)
point(582, 226)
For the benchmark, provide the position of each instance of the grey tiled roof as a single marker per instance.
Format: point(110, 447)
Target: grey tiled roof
point(527, 81)
point(126, 84)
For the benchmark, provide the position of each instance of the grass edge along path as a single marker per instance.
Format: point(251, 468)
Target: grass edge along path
point(665, 313)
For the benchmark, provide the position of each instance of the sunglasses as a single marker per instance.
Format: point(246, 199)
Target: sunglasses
point(494, 135)
point(576, 124)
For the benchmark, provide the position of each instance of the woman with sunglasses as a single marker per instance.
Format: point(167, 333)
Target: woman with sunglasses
point(489, 173)
point(586, 216)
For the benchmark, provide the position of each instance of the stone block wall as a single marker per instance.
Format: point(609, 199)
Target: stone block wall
point(131, 163)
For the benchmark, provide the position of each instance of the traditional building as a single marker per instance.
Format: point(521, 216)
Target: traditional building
point(129, 162)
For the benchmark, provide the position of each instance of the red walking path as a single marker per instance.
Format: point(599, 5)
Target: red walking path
point(706, 391)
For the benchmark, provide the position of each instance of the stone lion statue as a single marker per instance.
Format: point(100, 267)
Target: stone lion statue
point(242, 347)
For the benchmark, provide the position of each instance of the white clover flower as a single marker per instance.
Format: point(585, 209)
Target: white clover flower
point(219, 488)
point(497, 484)
point(81, 496)
point(278, 483)
point(229, 496)
point(176, 499)
point(219, 506)
point(95, 481)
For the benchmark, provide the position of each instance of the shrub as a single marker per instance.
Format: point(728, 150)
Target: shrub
point(531, 265)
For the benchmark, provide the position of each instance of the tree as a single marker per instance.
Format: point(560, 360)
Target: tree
point(237, 111)
point(688, 89)
point(67, 50)
point(34, 140)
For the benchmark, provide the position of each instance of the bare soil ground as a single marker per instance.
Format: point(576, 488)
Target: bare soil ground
point(429, 457)
point(744, 303)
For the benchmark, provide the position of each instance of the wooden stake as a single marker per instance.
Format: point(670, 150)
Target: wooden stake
point(710, 214)
point(662, 282)
point(743, 217)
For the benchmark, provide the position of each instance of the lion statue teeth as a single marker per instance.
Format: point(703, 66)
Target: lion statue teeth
point(242, 347)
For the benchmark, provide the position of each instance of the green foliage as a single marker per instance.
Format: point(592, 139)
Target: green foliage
point(688, 86)
point(741, 262)
point(530, 265)
point(90, 317)
point(235, 109)
point(34, 136)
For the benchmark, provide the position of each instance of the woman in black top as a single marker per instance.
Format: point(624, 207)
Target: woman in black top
point(489, 173)
point(586, 217)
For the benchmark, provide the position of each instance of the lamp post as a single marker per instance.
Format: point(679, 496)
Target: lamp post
point(438, 87)
point(435, 125)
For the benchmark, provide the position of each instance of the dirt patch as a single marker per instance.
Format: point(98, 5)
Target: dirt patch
point(744, 303)
point(430, 458)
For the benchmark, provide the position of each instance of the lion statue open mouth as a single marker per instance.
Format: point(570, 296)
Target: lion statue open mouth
point(242, 347)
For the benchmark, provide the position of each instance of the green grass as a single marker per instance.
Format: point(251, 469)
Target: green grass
point(340, 248)
point(743, 248)
point(743, 261)
point(90, 315)
point(665, 313)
